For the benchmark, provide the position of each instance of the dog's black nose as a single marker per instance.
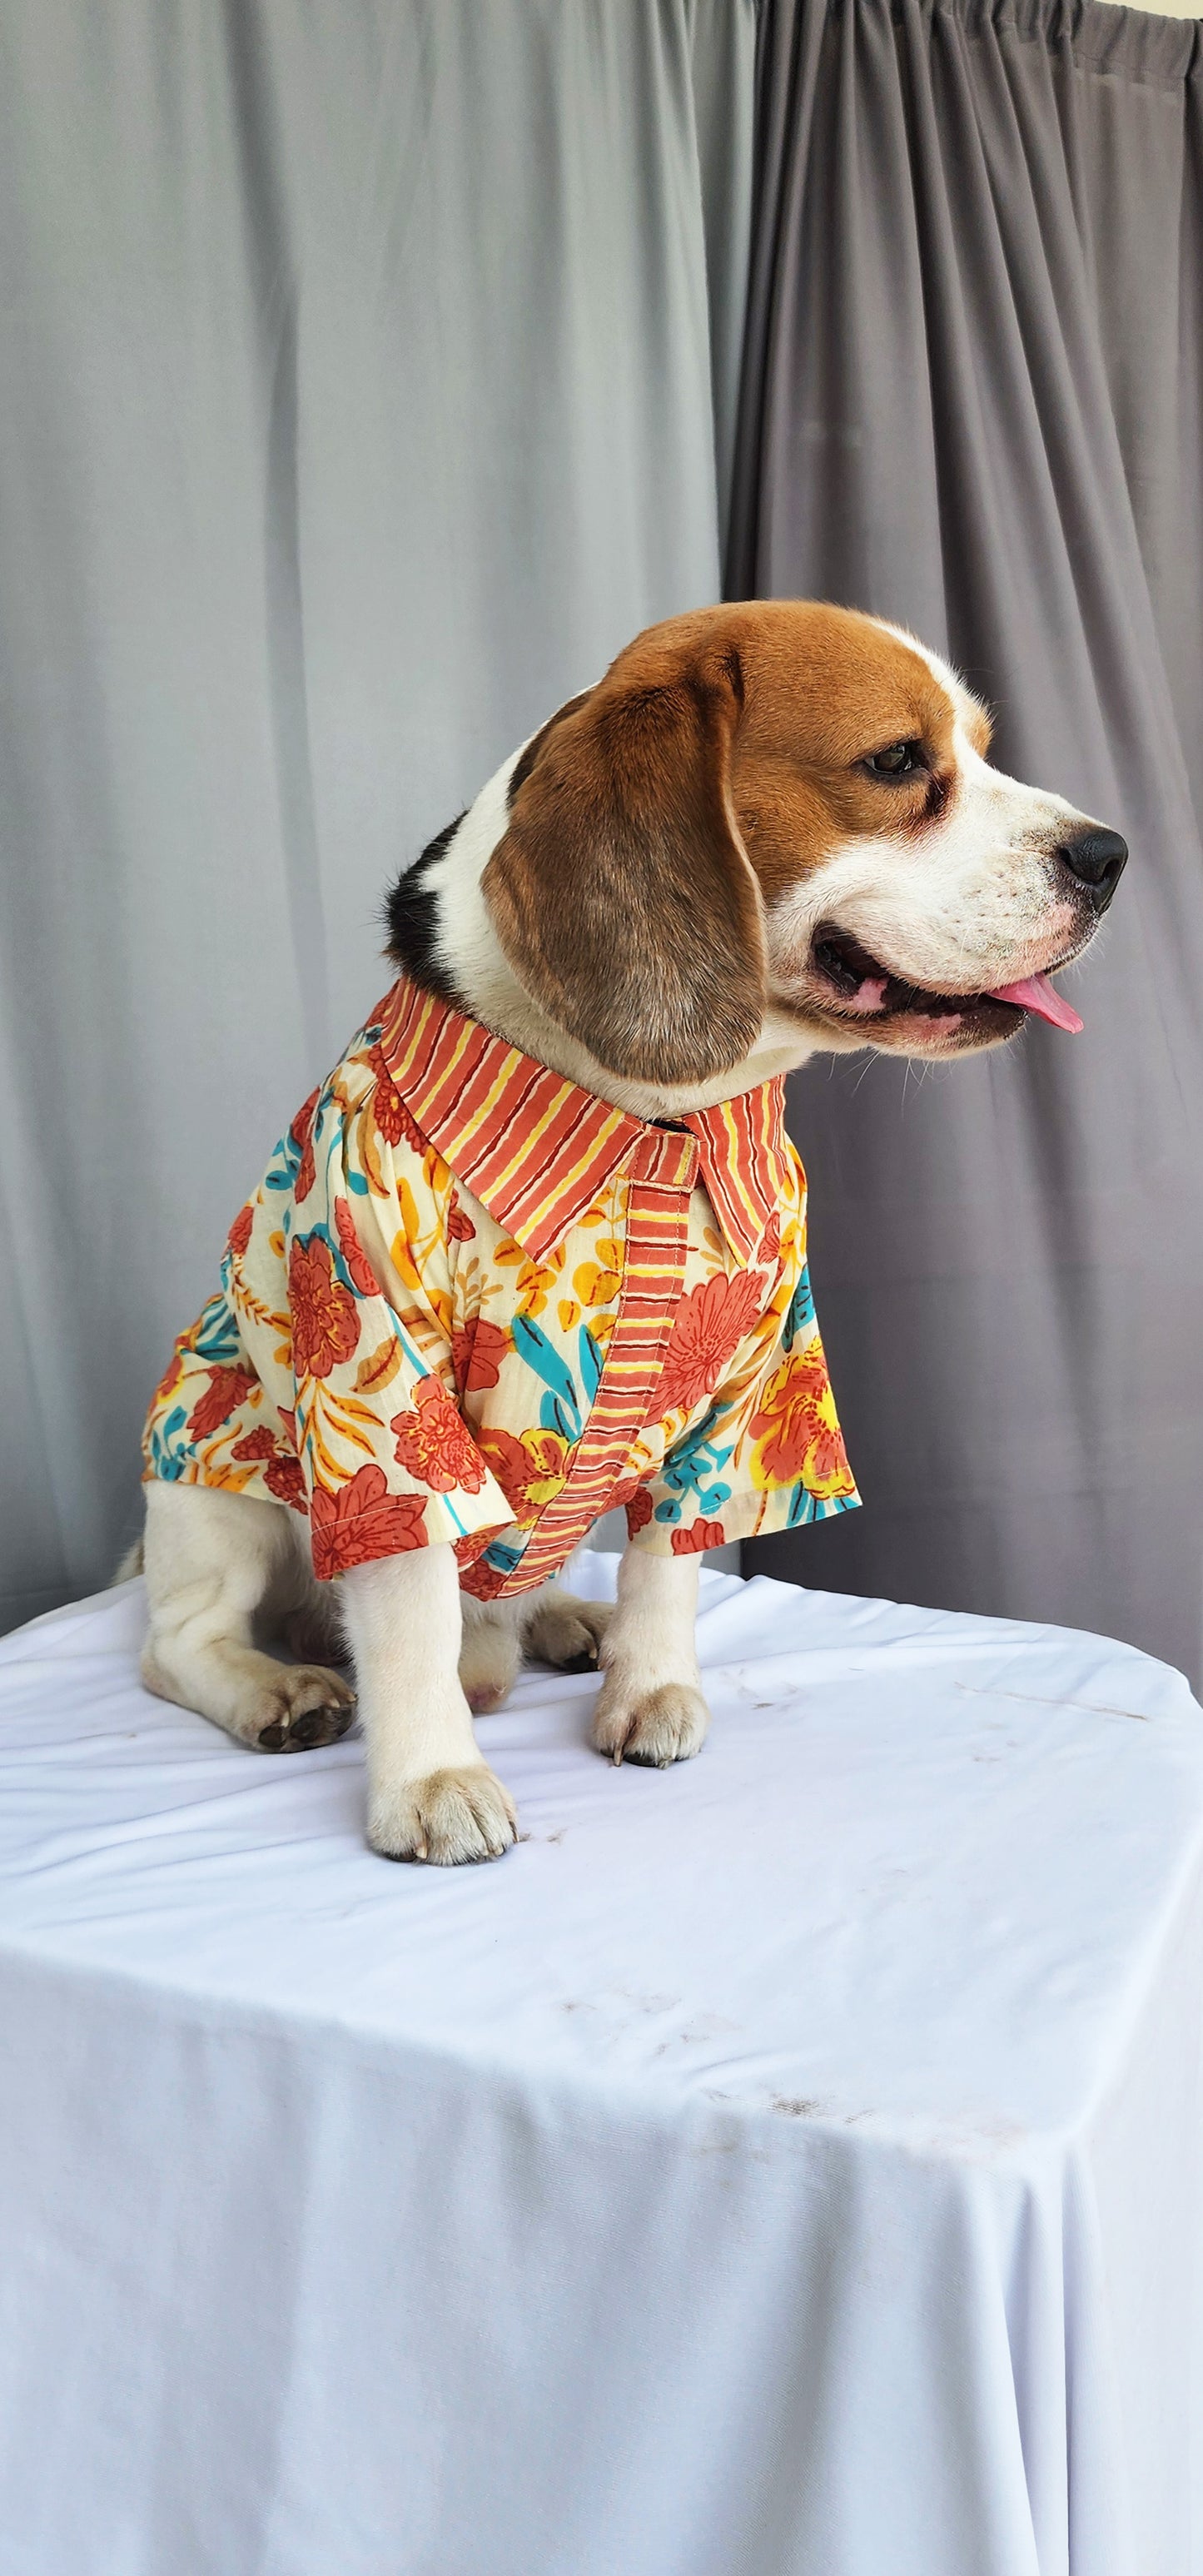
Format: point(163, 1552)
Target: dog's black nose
point(1097, 859)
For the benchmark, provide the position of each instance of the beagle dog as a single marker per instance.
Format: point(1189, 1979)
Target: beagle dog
point(771, 829)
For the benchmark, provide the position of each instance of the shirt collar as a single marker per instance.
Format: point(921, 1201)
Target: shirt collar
point(536, 1148)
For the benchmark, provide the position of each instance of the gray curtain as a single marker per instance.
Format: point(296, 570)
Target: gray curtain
point(370, 373)
point(972, 402)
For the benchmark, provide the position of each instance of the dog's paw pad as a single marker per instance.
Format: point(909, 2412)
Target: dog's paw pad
point(448, 1818)
point(654, 1728)
point(306, 1708)
point(567, 1633)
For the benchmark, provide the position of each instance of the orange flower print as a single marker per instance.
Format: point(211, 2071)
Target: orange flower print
point(352, 1251)
point(434, 1445)
point(325, 1324)
point(426, 1352)
point(711, 1322)
point(301, 1132)
point(285, 1479)
point(796, 1435)
point(240, 1231)
point(700, 1534)
point(530, 1471)
point(482, 1580)
point(362, 1521)
point(393, 1118)
point(255, 1444)
point(170, 1378)
point(226, 1390)
point(477, 1351)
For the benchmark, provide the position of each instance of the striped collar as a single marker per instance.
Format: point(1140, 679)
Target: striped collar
point(536, 1149)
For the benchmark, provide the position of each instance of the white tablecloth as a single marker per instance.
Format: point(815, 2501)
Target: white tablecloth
point(784, 2165)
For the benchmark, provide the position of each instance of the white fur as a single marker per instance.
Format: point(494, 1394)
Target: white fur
point(431, 1795)
point(225, 1572)
point(650, 1707)
point(218, 1566)
point(970, 902)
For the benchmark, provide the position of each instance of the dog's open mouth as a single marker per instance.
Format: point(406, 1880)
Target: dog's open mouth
point(866, 990)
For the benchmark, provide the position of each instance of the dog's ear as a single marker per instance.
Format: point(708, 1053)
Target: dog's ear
point(621, 892)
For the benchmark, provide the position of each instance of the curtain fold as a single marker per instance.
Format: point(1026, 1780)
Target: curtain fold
point(367, 365)
point(972, 403)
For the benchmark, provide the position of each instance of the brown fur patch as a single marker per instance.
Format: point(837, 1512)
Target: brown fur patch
point(526, 759)
point(621, 892)
point(979, 726)
point(720, 759)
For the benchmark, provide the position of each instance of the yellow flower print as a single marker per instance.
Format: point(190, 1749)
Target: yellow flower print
point(530, 1471)
point(539, 1283)
point(599, 1283)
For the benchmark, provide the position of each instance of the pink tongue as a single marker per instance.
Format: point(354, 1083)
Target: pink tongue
point(1036, 993)
point(868, 996)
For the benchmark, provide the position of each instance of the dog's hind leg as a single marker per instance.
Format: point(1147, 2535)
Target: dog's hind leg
point(549, 1625)
point(560, 1630)
point(213, 1560)
point(491, 1652)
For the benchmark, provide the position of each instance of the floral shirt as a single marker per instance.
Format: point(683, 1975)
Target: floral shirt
point(471, 1302)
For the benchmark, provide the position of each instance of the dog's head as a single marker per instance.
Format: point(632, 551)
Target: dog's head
point(785, 810)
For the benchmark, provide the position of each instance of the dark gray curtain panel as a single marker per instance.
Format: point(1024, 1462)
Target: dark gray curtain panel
point(972, 402)
point(370, 371)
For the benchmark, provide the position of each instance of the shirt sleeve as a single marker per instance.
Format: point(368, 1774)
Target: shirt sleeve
point(388, 1461)
point(767, 1454)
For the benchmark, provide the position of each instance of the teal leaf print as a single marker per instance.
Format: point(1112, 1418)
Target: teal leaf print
point(216, 1336)
point(284, 1165)
point(801, 1311)
point(689, 1466)
point(555, 1415)
point(533, 1346)
point(591, 1363)
point(166, 1456)
point(502, 1555)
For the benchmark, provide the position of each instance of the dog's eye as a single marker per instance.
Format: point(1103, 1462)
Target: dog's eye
point(896, 761)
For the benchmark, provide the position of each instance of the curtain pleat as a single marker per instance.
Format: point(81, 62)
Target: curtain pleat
point(971, 403)
point(365, 366)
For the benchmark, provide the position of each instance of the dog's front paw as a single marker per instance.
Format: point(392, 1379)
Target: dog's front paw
point(449, 1817)
point(655, 1726)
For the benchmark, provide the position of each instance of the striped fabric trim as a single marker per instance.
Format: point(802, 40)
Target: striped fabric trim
point(663, 1168)
point(536, 1148)
point(743, 1152)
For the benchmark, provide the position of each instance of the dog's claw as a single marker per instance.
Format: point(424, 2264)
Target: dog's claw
point(665, 1725)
